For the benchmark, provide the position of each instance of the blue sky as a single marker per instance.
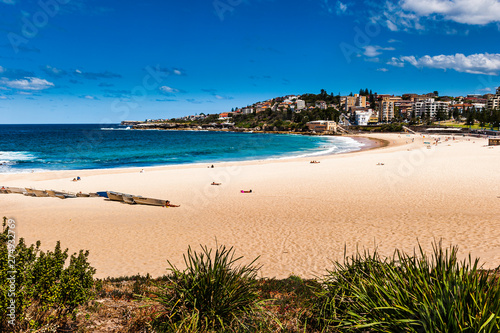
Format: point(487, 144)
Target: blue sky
point(74, 61)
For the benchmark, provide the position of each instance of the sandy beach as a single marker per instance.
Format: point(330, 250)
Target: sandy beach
point(298, 218)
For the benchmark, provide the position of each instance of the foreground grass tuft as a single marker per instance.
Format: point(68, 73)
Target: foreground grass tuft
point(418, 293)
point(212, 293)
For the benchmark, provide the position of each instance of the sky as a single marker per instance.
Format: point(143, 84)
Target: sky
point(75, 61)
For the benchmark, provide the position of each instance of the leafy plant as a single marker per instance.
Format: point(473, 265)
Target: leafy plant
point(212, 293)
point(36, 290)
point(418, 293)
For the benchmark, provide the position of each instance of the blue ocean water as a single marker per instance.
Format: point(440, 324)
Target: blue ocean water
point(26, 148)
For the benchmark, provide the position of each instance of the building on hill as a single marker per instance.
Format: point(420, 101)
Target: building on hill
point(479, 106)
point(403, 107)
point(409, 96)
point(462, 107)
point(430, 107)
point(224, 116)
point(321, 104)
point(385, 107)
point(363, 117)
point(353, 101)
point(322, 126)
point(300, 104)
point(247, 110)
point(494, 102)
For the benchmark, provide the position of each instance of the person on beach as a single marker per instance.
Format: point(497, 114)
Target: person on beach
point(214, 183)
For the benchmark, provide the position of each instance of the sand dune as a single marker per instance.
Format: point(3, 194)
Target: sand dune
point(298, 218)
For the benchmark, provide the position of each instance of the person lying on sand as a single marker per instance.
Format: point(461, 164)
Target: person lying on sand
point(214, 183)
point(243, 191)
point(314, 162)
point(168, 204)
point(380, 163)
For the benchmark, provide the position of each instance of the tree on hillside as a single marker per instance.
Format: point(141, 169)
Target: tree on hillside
point(440, 114)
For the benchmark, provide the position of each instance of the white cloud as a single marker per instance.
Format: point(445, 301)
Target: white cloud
point(371, 51)
point(28, 83)
point(223, 97)
point(374, 50)
point(396, 62)
point(177, 72)
point(480, 63)
point(341, 8)
point(168, 90)
point(478, 12)
point(382, 69)
point(78, 71)
point(396, 19)
point(391, 26)
point(54, 72)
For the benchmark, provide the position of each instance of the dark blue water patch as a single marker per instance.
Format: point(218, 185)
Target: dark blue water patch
point(97, 146)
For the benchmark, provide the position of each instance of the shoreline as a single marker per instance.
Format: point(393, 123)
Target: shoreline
point(298, 218)
point(368, 144)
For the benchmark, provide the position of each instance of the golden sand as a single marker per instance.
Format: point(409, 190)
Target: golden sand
point(298, 218)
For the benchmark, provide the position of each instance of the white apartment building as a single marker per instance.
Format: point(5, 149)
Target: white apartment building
point(479, 106)
point(362, 117)
point(430, 107)
point(247, 110)
point(301, 104)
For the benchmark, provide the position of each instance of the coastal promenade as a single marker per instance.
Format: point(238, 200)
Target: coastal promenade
point(298, 218)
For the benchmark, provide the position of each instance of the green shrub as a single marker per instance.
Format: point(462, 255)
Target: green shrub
point(212, 293)
point(418, 293)
point(43, 292)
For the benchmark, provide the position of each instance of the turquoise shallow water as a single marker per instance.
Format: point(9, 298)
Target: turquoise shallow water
point(24, 148)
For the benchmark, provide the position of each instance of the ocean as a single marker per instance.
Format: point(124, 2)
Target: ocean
point(27, 148)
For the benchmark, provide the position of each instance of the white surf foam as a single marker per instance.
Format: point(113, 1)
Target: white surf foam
point(14, 156)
